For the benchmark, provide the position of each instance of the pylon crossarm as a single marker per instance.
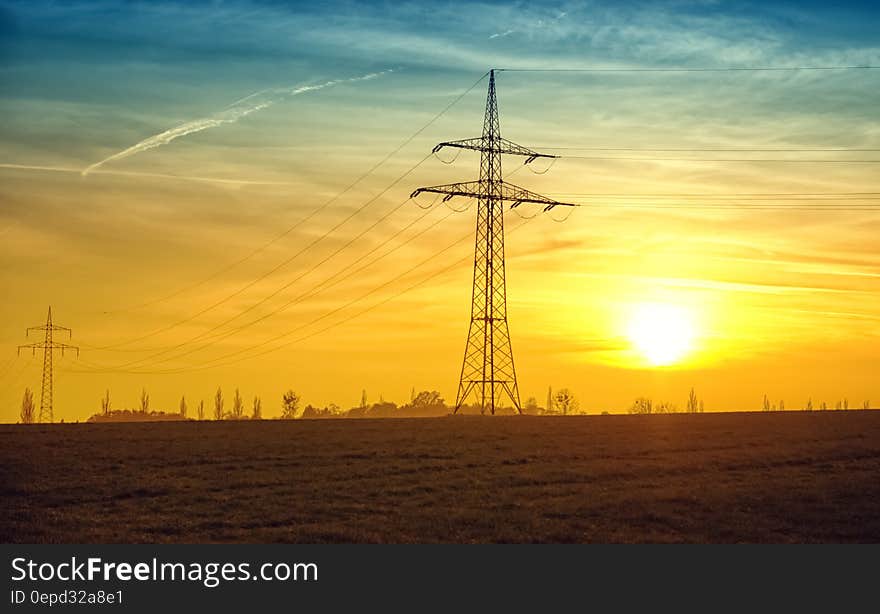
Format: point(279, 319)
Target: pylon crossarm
point(64, 346)
point(517, 195)
point(502, 146)
point(472, 189)
point(33, 347)
point(508, 193)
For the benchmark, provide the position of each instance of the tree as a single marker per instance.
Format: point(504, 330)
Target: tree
point(427, 398)
point(531, 406)
point(289, 405)
point(824, 406)
point(846, 403)
point(218, 404)
point(363, 399)
point(27, 407)
point(201, 410)
point(549, 406)
point(766, 403)
point(237, 412)
point(693, 402)
point(809, 405)
point(866, 405)
point(257, 413)
point(665, 408)
point(781, 405)
point(145, 401)
point(564, 401)
point(641, 405)
point(183, 406)
point(105, 403)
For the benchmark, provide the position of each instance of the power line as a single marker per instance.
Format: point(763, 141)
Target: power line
point(268, 273)
point(695, 69)
point(314, 291)
point(666, 159)
point(306, 218)
point(435, 274)
point(718, 149)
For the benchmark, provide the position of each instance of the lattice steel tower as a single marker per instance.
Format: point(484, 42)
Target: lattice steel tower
point(488, 368)
point(48, 345)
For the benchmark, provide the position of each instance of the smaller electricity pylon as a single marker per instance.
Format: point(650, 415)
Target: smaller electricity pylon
point(48, 345)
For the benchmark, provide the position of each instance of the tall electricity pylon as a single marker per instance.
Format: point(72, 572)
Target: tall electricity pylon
point(488, 367)
point(48, 345)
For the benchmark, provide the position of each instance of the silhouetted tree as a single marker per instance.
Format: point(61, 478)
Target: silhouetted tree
point(824, 406)
point(27, 407)
point(363, 399)
point(642, 405)
point(531, 406)
point(289, 405)
point(105, 403)
point(427, 398)
point(866, 405)
point(183, 406)
point(809, 405)
point(257, 413)
point(565, 402)
point(665, 407)
point(846, 403)
point(549, 406)
point(237, 412)
point(839, 405)
point(766, 405)
point(201, 411)
point(693, 403)
point(218, 404)
point(145, 401)
point(781, 405)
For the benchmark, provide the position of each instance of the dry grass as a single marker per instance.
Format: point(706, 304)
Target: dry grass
point(781, 477)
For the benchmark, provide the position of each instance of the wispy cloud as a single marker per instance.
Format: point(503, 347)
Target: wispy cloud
point(102, 171)
point(231, 114)
point(531, 25)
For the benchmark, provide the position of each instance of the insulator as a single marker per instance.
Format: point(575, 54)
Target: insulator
point(448, 197)
point(415, 193)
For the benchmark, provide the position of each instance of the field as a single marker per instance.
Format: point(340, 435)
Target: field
point(771, 477)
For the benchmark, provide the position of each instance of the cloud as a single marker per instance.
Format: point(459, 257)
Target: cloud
point(231, 114)
point(502, 34)
point(68, 169)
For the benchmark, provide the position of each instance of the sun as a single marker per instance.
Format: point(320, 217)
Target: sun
point(662, 333)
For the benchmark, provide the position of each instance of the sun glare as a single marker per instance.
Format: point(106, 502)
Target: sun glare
point(662, 333)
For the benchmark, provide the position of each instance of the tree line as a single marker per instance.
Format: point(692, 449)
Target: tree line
point(422, 404)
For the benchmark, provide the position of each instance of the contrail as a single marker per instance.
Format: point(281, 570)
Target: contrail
point(231, 114)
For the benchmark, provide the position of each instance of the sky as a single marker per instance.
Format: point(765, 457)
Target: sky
point(216, 194)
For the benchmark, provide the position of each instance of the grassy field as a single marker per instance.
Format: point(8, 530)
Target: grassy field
point(774, 477)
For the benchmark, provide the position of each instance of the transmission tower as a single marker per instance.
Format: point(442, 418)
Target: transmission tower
point(48, 345)
point(488, 368)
